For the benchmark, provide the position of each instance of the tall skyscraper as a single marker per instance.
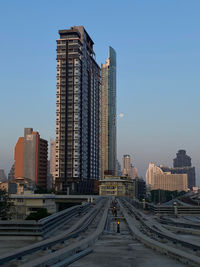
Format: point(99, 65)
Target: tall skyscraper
point(182, 160)
point(31, 157)
point(108, 115)
point(77, 111)
point(183, 164)
point(126, 165)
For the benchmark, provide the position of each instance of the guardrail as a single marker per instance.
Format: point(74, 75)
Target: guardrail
point(61, 255)
point(73, 231)
point(183, 256)
point(161, 209)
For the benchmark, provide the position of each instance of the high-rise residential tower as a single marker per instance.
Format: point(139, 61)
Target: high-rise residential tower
point(77, 112)
point(31, 158)
point(126, 165)
point(108, 115)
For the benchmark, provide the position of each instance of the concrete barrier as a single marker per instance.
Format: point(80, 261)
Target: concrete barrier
point(184, 257)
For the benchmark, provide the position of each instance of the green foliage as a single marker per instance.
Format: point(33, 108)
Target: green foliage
point(41, 190)
point(39, 214)
point(161, 196)
point(5, 206)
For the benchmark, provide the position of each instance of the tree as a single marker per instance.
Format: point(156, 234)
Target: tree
point(39, 214)
point(5, 206)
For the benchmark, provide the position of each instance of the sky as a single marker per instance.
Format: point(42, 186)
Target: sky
point(158, 65)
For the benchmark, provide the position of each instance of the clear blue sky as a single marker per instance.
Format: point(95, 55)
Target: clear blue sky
point(158, 72)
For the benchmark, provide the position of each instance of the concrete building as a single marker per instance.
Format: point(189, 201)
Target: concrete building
point(116, 186)
point(108, 115)
point(157, 179)
point(77, 112)
point(27, 203)
point(20, 186)
point(2, 176)
point(31, 157)
point(126, 165)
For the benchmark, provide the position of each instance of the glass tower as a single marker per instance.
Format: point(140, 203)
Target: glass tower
point(108, 114)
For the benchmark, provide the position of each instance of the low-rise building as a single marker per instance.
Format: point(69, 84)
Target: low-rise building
point(27, 203)
point(4, 186)
point(116, 186)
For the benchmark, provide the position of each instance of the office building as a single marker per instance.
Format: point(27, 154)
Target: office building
point(182, 160)
point(108, 115)
point(77, 112)
point(182, 164)
point(126, 165)
point(157, 179)
point(31, 157)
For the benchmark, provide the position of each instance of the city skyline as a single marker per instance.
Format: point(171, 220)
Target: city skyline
point(157, 75)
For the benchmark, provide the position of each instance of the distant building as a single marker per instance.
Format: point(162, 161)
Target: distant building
point(21, 185)
point(27, 203)
point(157, 179)
point(134, 172)
point(126, 165)
point(108, 115)
point(182, 164)
point(31, 157)
point(11, 174)
point(4, 186)
point(119, 170)
point(139, 188)
point(182, 160)
point(2, 176)
point(116, 186)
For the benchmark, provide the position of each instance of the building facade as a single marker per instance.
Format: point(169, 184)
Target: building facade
point(31, 157)
point(108, 115)
point(77, 111)
point(116, 186)
point(157, 179)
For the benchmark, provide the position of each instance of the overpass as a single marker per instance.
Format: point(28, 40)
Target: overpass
point(85, 229)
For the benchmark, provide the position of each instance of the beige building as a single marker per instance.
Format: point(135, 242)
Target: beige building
point(157, 179)
point(116, 186)
point(27, 203)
